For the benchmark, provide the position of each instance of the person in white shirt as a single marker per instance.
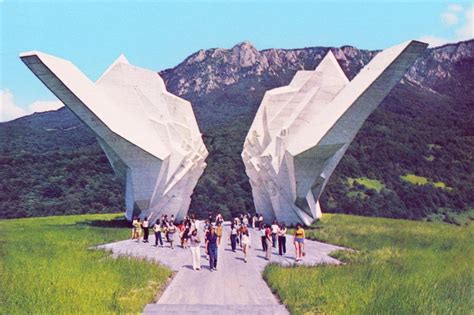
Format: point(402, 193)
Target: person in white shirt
point(194, 225)
point(196, 250)
point(245, 221)
point(263, 237)
point(146, 231)
point(282, 239)
point(157, 229)
point(275, 229)
point(246, 242)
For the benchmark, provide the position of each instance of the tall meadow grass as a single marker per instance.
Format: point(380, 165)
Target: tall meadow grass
point(399, 267)
point(47, 266)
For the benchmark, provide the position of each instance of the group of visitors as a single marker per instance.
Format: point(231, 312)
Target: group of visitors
point(275, 235)
point(165, 228)
point(239, 233)
point(271, 235)
point(188, 230)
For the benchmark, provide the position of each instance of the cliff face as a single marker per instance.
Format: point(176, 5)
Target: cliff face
point(209, 70)
point(447, 70)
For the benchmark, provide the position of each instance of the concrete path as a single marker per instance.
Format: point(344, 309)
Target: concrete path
point(236, 287)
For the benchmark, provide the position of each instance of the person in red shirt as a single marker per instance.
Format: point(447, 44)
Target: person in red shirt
point(268, 239)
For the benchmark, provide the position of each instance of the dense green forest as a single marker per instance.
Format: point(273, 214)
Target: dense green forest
point(412, 159)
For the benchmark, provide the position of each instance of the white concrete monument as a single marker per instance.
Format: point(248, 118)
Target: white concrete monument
point(150, 136)
point(302, 130)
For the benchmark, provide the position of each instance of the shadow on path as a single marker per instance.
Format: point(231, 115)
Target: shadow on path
point(120, 223)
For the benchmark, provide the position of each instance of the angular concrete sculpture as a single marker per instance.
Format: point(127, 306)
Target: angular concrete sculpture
point(301, 131)
point(150, 136)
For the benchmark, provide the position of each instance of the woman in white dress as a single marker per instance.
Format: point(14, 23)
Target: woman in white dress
point(246, 242)
point(196, 250)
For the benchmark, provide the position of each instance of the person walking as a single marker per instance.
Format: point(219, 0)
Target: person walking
point(282, 239)
point(246, 242)
point(211, 244)
point(185, 237)
point(254, 220)
point(239, 236)
point(268, 238)
point(180, 230)
point(263, 238)
point(233, 236)
point(219, 219)
point(298, 240)
point(219, 232)
point(195, 249)
point(245, 221)
point(275, 229)
point(194, 224)
point(165, 226)
point(136, 229)
point(171, 232)
point(157, 229)
point(146, 231)
point(207, 231)
point(210, 217)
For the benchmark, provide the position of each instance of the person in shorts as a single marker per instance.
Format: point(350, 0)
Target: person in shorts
point(298, 240)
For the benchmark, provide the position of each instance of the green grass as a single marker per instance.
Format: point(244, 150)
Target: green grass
point(415, 179)
point(400, 267)
point(420, 180)
point(448, 215)
point(366, 182)
point(47, 267)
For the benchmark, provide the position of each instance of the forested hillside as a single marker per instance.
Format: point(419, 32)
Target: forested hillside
point(412, 159)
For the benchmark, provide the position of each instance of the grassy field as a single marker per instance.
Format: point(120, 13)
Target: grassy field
point(420, 180)
point(366, 182)
point(400, 267)
point(46, 267)
point(415, 179)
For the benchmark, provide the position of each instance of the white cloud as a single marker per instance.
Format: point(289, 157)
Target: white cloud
point(449, 18)
point(467, 30)
point(434, 41)
point(9, 110)
point(43, 106)
point(455, 7)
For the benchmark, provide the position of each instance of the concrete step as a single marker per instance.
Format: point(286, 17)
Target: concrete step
point(215, 309)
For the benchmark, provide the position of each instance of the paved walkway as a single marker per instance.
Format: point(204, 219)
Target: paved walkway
point(236, 287)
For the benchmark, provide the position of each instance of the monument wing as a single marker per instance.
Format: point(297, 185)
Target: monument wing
point(301, 131)
point(150, 136)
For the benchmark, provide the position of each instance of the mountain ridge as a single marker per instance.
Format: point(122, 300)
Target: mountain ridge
point(423, 127)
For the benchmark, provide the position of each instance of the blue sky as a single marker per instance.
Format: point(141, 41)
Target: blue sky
point(161, 34)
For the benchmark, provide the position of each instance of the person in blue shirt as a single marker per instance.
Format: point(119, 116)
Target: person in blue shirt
point(211, 244)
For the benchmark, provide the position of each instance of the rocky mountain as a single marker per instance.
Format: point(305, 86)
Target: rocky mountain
point(213, 69)
point(423, 128)
point(209, 70)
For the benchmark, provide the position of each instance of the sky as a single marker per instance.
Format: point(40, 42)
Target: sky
point(161, 34)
